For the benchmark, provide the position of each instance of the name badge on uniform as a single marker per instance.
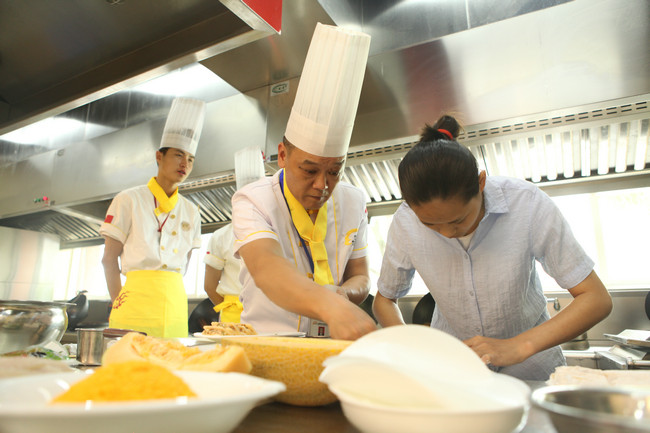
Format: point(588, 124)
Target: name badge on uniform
point(318, 329)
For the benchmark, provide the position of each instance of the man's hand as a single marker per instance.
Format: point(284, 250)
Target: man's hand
point(347, 321)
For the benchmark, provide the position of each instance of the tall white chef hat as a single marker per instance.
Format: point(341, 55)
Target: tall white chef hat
point(184, 125)
point(326, 102)
point(249, 165)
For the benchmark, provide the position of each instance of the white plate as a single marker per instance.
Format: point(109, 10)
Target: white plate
point(224, 399)
point(274, 334)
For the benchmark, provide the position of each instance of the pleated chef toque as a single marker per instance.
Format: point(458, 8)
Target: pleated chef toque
point(327, 98)
point(184, 125)
point(249, 165)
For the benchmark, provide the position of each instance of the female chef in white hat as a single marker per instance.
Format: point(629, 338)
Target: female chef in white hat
point(301, 233)
point(221, 282)
point(152, 229)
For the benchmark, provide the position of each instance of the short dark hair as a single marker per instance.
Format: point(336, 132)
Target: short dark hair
point(289, 145)
point(164, 150)
point(438, 166)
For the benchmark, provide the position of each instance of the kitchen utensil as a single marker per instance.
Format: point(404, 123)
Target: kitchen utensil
point(31, 323)
point(203, 314)
point(370, 416)
point(93, 342)
point(581, 409)
point(414, 378)
point(78, 310)
point(222, 402)
point(632, 337)
point(90, 346)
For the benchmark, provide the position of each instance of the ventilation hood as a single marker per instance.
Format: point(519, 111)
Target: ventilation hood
point(556, 92)
point(57, 56)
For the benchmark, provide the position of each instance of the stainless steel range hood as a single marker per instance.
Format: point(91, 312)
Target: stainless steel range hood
point(57, 56)
point(552, 91)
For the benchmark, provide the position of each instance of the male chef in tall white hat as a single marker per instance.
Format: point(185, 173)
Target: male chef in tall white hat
point(153, 229)
point(301, 233)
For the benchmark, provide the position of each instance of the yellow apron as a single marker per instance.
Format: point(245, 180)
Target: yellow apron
point(230, 309)
point(153, 302)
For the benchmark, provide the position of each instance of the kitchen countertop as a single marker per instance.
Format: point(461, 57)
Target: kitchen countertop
point(282, 418)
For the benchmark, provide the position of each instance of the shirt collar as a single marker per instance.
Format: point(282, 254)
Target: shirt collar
point(495, 201)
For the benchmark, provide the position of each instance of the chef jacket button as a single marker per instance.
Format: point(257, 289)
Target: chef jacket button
point(162, 247)
point(164, 266)
point(178, 269)
point(175, 250)
point(174, 233)
point(172, 216)
point(471, 294)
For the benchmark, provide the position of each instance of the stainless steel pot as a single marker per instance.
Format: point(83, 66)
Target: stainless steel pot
point(93, 342)
point(31, 323)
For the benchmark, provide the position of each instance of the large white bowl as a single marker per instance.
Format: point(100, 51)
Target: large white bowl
point(414, 379)
point(224, 399)
point(372, 417)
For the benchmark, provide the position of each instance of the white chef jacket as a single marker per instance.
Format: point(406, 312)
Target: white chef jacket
point(260, 211)
point(131, 220)
point(220, 257)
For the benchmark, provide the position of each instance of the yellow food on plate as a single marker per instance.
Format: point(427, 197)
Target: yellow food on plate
point(133, 380)
point(297, 362)
point(173, 355)
point(228, 328)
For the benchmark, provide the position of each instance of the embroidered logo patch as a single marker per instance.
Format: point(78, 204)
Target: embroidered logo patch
point(109, 219)
point(350, 237)
point(121, 298)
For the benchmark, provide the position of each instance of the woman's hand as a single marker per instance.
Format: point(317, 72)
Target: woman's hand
point(497, 352)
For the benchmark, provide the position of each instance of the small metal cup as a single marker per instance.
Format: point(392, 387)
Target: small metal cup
point(90, 346)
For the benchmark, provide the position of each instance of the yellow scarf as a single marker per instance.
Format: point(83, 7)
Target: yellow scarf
point(166, 204)
point(312, 233)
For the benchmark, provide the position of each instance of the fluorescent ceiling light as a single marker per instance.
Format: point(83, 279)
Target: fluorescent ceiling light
point(40, 133)
point(188, 81)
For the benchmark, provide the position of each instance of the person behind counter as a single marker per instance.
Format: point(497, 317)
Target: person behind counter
point(302, 233)
point(474, 241)
point(221, 282)
point(152, 230)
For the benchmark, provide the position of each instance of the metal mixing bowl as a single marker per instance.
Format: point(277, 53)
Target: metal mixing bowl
point(31, 323)
point(577, 409)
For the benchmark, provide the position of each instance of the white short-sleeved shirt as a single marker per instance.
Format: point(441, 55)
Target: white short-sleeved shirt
point(259, 212)
point(220, 256)
point(131, 220)
point(492, 288)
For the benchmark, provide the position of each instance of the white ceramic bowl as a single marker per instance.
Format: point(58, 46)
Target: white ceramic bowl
point(372, 417)
point(416, 379)
point(224, 399)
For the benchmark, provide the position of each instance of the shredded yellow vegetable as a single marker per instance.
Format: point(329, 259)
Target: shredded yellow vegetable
point(132, 380)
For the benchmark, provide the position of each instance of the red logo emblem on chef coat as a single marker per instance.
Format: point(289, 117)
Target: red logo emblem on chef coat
point(109, 219)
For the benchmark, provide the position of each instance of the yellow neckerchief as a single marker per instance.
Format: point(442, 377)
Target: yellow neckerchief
point(312, 233)
point(165, 204)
